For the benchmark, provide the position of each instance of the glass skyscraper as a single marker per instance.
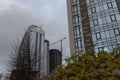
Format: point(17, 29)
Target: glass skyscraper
point(33, 52)
point(93, 25)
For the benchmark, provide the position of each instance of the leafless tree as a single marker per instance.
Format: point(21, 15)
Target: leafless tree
point(12, 61)
point(19, 64)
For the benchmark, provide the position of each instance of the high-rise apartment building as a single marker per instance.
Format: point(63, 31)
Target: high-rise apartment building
point(93, 25)
point(33, 52)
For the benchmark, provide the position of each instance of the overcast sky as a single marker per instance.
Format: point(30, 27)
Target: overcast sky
point(18, 15)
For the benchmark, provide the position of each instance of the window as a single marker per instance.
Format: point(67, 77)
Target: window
point(73, 1)
point(93, 9)
point(74, 9)
point(91, 0)
point(77, 30)
point(76, 19)
point(110, 5)
point(95, 22)
point(113, 17)
point(98, 35)
point(78, 43)
point(116, 31)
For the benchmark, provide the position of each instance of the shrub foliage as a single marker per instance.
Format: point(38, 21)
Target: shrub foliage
point(104, 66)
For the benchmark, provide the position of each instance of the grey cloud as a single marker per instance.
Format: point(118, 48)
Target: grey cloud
point(12, 24)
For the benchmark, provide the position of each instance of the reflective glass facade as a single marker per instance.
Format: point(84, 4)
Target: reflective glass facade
point(39, 48)
point(34, 51)
point(102, 18)
point(45, 59)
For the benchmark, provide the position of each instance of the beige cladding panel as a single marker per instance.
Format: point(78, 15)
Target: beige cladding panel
point(70, 26)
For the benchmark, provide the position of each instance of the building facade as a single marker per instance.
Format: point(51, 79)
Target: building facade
point(45, 60)
point(94, 25)
point(33, 52)
point(55, 58)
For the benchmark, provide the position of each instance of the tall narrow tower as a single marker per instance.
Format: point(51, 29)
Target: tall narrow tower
point(33, 52)
point(93, 25)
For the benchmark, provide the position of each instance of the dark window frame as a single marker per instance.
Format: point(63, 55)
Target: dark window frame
point(116, 31)
point(76, 19)
point(95, 22)
point(113, 17)
point(109, 5)
point(93, 9)
point(77, 45)
point(74, 8)
point(77, 31)
point(98, 35)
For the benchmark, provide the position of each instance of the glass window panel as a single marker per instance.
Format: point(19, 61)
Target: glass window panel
point(108, 19)
point(107, 34)
point(110, 5)
point(73, 1)
point(105, 7)
point(74, 9)
point(101, 8)
point(93, 9)
point(91, 24)
point(103, 35)
point(89, 11)
point(75, 33)
point(97, 9)
point(79, 43)
point(76, 45)
point(76, 19)
point(100, 21)
point(117, 17)
point(112, 33)
point(95, 22)
point(98, 35)
point(113, 17)
point(116, 31)
point(77, 30)
point(94, 37)
point(104, 20)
